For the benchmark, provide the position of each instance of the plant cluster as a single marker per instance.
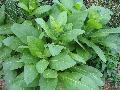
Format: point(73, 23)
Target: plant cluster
point(49, 47)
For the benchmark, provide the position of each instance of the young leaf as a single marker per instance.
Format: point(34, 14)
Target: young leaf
point(22, 31)
point(55, 25)
point(95, 48)
point(61, 62)
point(55, 49)
point(48, 83)
point(42, 65)
point(49, 73)
point(36, 46)
point(42, 23)
point(30, 73)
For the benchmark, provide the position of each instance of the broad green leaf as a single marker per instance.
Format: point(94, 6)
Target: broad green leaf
point(76, 81)
point(62, 18)
point(9, 77)
point(48, 31)
point(2, 14)
point(22, 31)
point(55, 49)
point(41, 65)
point(79, 22)
point(36, 46)
point(95, 48)
point(12, 64)
point(12, 42)
point(19, 81)
point(42, 9)
point(77, 57)
point(27, 58)
point(5, 29)
point(83, 53)
point(61, 62)
point(30, 73)
point(48, 83)
point(100, 13)
point(90, 72)
point(49, 73)
point(71, 35)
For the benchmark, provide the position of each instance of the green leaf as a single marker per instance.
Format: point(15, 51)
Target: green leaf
point(41, 65)
point(61, 62)
point(22, 31)
point(100, 13)
point(5, 53)
point(23, 6)
point(79, 22)
point(30, 73)
point(95, 48)
point(9, 77)
point(62, 18)
point(12, 64)
point(90, 72)
point(56, 26)
point(19, 81)
point(48, 83)
point(94, 24)
point(42, 9)
point(83, 53)
point(48, 31)
point(2, 14)
point(12, 42)
point(49, 73)
point(36, 46)
point(32, 4)
point(77, 57)
point(71, 35)
point(76, 81)
point(5, 29)
point(27, 58)
point(55, 49)
point(68, 3)
point(106, 32)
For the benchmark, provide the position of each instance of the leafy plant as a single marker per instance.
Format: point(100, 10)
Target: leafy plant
point(50, 49)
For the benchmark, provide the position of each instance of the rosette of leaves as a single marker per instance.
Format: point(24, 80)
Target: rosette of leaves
point(51, 54)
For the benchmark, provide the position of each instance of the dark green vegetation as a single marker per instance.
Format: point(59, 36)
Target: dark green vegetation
point(50, 45)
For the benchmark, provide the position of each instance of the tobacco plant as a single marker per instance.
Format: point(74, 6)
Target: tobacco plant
point(48, 49)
